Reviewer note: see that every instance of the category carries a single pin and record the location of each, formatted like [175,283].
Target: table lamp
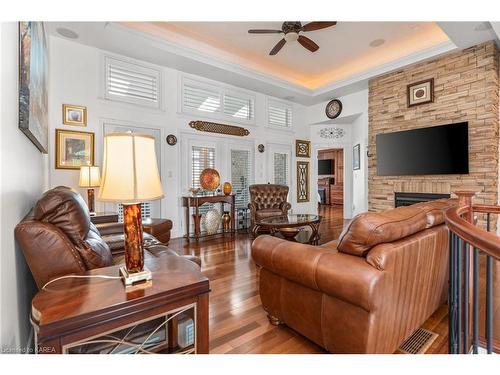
[90,178]
[130,176]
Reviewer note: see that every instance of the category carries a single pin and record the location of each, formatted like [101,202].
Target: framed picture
[356,164]
[302,149]
[33,81]
[420,92]
[302,181]
[74,115]
[74,149]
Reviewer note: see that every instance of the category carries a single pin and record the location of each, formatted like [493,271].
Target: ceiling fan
[292,30]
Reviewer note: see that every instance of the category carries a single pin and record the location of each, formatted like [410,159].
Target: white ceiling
[344,48]
[224,51]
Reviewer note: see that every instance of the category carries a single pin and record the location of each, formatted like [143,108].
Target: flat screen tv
[434,150]
[325,167]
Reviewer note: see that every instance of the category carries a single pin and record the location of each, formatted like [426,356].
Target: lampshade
[130,172]
[89,176]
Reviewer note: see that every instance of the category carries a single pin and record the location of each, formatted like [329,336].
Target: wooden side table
[159,228]
[194,202]
[96,315]
[104,217]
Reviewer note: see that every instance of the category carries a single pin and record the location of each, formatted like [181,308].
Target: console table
[95,315]
[194,202]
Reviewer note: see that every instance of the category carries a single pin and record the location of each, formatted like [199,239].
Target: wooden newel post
[465,199]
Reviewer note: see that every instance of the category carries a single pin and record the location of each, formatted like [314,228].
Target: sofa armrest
[110,228]
[343,276]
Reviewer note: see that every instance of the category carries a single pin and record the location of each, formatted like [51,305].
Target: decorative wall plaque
[213,127]
[420,92]
[302,181]
[171,140]
[261,148]
[302,149]
[332,133]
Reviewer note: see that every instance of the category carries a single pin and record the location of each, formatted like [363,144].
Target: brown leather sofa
[267,200]
[366,292]
[57,238]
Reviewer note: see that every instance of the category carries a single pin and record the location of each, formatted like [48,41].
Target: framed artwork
[74,115]
[302,149]
[33,81]
[420,92]
[74,149]
[356,164]
[302,181]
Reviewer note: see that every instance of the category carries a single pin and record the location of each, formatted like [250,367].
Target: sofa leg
[273,320]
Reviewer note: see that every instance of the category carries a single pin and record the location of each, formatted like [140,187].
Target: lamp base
[130,279]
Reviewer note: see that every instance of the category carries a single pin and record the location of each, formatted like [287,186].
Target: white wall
[76,78]
[354,121]
[23,171]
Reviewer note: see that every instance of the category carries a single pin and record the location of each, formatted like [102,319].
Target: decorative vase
[226,221]
[227,188]
[210,221]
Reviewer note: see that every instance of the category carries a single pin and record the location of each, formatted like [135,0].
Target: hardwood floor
[238,323]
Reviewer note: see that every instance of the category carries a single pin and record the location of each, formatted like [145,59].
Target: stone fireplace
[407,199]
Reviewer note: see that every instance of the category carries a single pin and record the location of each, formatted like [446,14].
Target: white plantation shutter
[281,168]
[238,107]
[201,158]
[217,102]
[132,83]
[240,176]
[200,99]
[279,114]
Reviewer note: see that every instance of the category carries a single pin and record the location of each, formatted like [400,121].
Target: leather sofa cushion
[372,228]
[116,241]
[435,210]
[66,209]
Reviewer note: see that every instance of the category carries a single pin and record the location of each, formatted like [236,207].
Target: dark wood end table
[104,217]
[97,315]
[289,226]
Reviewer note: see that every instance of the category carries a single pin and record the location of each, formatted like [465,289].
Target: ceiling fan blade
[308,43]
[264,31]
[277,47]
[312,26]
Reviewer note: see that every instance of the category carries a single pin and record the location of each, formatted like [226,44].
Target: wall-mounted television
[433,150]
[325,166]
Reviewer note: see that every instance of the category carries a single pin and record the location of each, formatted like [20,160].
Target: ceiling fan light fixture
[291,36]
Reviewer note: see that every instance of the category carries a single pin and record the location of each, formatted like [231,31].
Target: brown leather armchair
[366,292]
[267,200]
[57,238]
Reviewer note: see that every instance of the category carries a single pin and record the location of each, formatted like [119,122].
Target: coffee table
[290,225]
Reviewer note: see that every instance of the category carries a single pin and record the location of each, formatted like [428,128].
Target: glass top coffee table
[290,225]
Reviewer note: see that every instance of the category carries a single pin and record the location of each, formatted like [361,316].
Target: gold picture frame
[302,148]
[302,181]
[75,115]
[74,149]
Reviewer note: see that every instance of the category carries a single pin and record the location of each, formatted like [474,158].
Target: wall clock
[171,139]
[333,108]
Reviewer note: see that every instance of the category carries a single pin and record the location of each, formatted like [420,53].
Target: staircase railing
[468,244]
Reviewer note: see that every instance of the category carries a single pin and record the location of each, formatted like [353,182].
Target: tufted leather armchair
[267,200]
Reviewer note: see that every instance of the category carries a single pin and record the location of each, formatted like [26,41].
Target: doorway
[330,182]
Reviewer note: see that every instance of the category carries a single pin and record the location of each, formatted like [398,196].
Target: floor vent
[418,342]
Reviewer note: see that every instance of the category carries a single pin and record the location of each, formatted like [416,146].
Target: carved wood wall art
[213,127]
[302,181]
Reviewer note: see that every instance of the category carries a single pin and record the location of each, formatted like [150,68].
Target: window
[201,158]
[132,83]
[200,99]
[281,168]
[145,211]
[279,114]
[216,102]
[238,107]
[240,176]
